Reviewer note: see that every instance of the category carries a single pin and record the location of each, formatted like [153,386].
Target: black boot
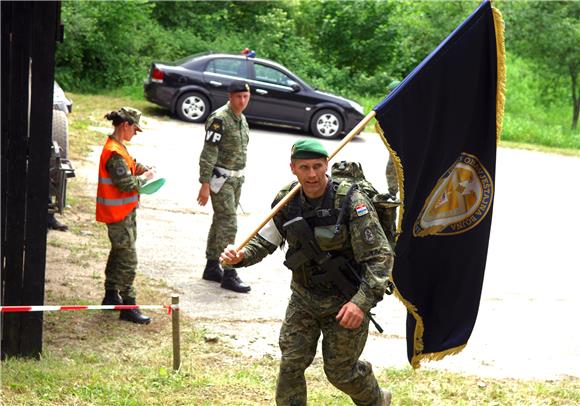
[54,224]
[213,271]
[133,315]
[112,298]
[232,281]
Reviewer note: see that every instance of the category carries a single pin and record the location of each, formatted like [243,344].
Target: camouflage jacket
[226,142]
[365,243]
[392,182]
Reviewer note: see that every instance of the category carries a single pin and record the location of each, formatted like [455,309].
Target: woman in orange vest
[120,178]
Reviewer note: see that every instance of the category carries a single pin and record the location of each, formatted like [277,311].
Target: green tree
[359,36]
[422,26]
[548,33]
[108,44]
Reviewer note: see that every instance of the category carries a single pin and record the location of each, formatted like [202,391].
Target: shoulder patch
[361,209]
[120,170]
[214,131]
[368,235]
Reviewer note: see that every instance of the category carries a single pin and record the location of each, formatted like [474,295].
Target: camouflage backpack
[350,175]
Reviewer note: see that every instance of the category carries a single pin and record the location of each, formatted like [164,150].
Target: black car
[195,86]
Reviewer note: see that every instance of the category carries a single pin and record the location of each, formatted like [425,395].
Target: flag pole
[353,133]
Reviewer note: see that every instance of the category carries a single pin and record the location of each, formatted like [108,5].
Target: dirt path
[525,327]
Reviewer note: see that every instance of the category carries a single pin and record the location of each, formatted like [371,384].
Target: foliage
[352,48]
[106,44]
[535,123]
[555,29]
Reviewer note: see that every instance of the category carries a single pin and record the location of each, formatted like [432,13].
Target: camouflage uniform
[312,309]
[226,144]
[392,181]
[122,261]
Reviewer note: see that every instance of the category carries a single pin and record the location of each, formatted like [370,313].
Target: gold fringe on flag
[501,75]
[400,175]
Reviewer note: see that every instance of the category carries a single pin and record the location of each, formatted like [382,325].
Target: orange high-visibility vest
[114,205]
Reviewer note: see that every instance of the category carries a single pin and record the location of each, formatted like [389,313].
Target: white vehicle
[60,167]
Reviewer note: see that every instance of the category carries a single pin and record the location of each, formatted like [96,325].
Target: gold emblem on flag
[459,201]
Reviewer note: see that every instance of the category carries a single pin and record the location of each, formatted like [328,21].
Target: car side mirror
[296,88]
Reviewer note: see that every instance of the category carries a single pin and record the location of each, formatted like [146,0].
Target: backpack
[350,175]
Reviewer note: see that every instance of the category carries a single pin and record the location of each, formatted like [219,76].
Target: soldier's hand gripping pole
[353,133]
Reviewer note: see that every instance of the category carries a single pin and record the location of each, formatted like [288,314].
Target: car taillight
[157,75]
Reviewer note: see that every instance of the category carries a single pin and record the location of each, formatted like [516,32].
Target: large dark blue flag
[442,124]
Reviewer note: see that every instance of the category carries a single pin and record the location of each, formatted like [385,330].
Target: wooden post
[29,31]
[175,328]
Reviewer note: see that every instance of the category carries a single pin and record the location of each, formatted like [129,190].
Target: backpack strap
[342,202]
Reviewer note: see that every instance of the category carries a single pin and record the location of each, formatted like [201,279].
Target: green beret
[238,86]
[308,149]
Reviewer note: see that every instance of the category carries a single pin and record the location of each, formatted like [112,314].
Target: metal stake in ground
[175,328]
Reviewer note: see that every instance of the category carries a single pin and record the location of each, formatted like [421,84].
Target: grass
[93,359]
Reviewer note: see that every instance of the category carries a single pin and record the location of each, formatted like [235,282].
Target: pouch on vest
[328,240]
[217,180]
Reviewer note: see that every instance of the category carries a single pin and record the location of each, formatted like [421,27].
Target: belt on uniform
[229,172]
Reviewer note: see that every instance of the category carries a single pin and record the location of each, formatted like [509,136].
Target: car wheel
[326,124]
[193,107]
[60,131]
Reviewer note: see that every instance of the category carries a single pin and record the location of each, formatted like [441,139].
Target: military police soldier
[221,174]
[355,244]
[120,178]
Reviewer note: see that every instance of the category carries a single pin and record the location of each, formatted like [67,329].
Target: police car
[194,86]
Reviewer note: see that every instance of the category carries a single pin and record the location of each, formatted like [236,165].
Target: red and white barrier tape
[14,309]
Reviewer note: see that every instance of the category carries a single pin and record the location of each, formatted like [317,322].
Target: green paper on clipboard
[151,187]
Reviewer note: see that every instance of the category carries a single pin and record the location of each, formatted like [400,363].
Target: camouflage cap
[133,116]
[238,86]
[308,149]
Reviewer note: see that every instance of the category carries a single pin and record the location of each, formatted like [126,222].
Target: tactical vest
[323,221]
[114,205]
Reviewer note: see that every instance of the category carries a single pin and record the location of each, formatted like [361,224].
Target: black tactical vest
[322,220]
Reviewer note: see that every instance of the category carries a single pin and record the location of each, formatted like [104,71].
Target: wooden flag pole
[353,133]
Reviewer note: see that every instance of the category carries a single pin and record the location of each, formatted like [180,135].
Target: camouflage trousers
[224,223]
[341,348]
[122,261]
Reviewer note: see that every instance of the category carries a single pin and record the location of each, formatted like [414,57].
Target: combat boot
[133,315]
[385,398]
[112,298]
[232,281]
[213,271]
[54,224]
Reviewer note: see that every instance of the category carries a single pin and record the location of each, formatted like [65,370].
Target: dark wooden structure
[29,34]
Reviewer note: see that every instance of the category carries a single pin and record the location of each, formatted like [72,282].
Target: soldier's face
[129,131]
[239,101]
[311,174]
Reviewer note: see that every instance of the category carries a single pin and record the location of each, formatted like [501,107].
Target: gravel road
[525,327]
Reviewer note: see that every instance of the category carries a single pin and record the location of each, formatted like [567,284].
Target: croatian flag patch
[361,209]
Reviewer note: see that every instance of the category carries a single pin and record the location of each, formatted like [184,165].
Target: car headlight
[357,107]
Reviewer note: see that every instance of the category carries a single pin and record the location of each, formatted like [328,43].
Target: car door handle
[261,91]
[214,83]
